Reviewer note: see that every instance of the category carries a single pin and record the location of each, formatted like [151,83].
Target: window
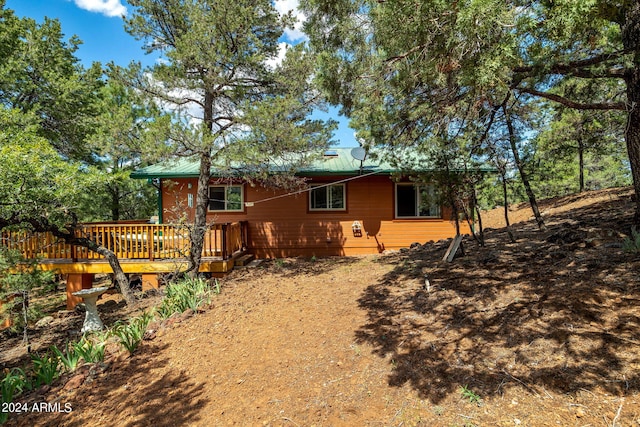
[225,198]
[327,198]
[417,201]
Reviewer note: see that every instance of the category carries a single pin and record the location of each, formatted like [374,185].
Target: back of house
[348,206]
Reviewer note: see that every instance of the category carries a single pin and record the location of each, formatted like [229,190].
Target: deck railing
[130,241]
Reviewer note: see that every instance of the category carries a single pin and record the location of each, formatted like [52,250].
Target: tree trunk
[200,221]
[115,203]
[121,278]
[202,196]
[581,162]
[631,41]
[632,137]
[523,174]
[455,213]
[506,206]
[480,227]
[479,235]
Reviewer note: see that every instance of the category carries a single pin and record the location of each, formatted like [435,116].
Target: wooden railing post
[150,242]
[223,228]
[245,234]
[74,249]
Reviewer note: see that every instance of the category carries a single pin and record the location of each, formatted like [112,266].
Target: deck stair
[244,260]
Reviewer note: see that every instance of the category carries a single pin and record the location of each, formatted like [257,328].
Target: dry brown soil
[545,331]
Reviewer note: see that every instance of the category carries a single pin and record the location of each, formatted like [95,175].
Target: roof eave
[169,175]
[162,175]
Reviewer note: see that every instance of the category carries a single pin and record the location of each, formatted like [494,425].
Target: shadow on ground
[169,400]
[557,311]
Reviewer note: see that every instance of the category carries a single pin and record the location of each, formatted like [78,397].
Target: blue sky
[99,25]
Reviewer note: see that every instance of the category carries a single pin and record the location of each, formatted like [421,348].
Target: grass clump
[12,384]
[131,334]
[69,358]
[91,351]
[186,294]
[46,368]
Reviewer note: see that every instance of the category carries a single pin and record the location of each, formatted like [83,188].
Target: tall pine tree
[217,80]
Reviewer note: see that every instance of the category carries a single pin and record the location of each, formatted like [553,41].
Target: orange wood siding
[285,227]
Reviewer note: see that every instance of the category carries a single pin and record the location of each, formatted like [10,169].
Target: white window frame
[417,193]
[326,188]
[226,200]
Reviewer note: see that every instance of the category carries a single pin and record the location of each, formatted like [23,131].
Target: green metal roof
[181,168]
[336,161]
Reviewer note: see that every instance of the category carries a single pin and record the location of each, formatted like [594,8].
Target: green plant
[164,310]
[131,334]
[469,394]
[279,262]
[91,351]
[127,337]
[216,286]
[632,244]
[185,294]
[13,383]
[69,358]
[45,368]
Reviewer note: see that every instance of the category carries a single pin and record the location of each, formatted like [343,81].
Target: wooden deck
[140,248]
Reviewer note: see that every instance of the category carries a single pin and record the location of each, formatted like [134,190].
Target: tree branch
[404,55]
[574,67]
[621,106]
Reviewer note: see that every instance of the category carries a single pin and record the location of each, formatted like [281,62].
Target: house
[350,207]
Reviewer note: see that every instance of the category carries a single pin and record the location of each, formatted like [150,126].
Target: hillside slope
[610,203]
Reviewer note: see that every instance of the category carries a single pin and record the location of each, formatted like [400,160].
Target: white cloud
[282,51]
[106,7]
[295,34]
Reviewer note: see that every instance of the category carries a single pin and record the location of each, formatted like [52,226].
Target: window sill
[418,219]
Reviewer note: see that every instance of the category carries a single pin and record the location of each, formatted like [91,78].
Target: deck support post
[75,283]
[149,281]
[4,324]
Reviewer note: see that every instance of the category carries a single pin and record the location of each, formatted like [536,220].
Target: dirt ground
[541,332]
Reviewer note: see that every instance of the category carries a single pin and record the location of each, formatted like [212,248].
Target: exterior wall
[285,227]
